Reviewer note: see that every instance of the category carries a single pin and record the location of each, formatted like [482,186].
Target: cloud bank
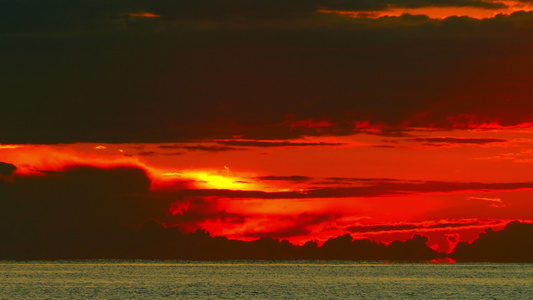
[512,244]
[88,72]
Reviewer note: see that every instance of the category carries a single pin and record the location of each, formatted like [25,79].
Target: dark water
[107,279]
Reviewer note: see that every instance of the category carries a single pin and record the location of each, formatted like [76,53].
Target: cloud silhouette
[62,213]
[161,82]
[450,140]
[268,144]
[511,244]
[36,15]
[285,178]
[212,148]
[374,189]
[7,169]
[77,195]
[406,227]
[415,249]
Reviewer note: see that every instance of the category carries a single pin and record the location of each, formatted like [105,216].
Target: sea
[117,279]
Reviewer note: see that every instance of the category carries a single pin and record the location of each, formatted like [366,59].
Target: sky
[297,120]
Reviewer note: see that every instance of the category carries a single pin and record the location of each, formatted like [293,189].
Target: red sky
[296,121]
[436,183]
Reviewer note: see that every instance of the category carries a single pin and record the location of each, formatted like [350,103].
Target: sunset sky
[297,119]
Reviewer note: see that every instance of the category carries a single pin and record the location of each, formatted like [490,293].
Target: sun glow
[10,146]
[214,179]
[211,180]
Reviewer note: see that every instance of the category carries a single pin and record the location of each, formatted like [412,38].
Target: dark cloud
[411,250]
[405,227]
[275,144]
[285,178]
[53,15]
[370,190]
[378,5]
[350,181]
[394,131]
[511,244]
[163,80]
[344,247]
[450,140]
[173,153]
[379,189]
[211,148]
[355,179]
[170,146]
[147,153]
[201,148]
[7,169]
[78,196]
[297,8]
[445,3]
[89,212]
[73,211]
[153,153]
[258,9]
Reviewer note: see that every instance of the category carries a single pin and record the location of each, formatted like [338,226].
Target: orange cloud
[9,146]
[492,9]
[144,15]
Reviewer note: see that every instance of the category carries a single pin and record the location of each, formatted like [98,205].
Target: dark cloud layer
[88,72]
[406,227]
[78,196]
[374,189]
[275,144]
[512,244]
[450,140]
[43,15]
[7,169]
[285,178]
[211,148]
[444,3]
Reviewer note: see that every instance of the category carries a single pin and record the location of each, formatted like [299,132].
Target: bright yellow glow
[211,180]
[171,174]
[9,146]
[100,147]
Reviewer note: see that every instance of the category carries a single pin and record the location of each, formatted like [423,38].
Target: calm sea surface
[107,279]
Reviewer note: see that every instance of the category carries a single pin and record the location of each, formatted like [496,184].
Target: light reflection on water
[108,279]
